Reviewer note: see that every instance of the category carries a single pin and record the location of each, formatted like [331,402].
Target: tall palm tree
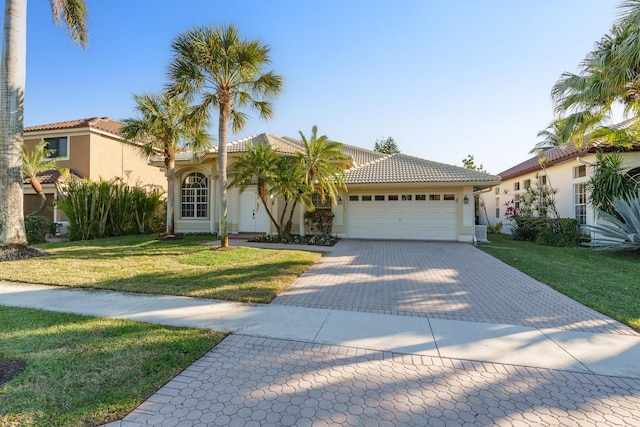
[321,173]
[225,73]
[164,125]
[609,75]
[73,14]
[554,135]
[34,162]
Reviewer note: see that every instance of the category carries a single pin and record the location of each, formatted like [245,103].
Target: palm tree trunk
[37,187]
[225,100]
[170,164]
[12,82]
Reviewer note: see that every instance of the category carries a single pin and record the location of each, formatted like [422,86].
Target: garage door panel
[397,219]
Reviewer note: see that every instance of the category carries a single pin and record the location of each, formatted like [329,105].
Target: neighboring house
[566,170]
[91,148]
[388,197]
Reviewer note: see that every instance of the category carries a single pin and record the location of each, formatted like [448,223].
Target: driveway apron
[398,333]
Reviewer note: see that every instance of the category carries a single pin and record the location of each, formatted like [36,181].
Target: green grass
[177,267]
[85,370]
[608,282]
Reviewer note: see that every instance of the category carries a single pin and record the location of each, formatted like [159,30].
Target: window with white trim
[195,196]
[316,199]
[59,147]
[579,171]
[497,207]
[580,202]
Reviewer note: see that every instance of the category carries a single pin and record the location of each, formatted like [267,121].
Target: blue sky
[443,78]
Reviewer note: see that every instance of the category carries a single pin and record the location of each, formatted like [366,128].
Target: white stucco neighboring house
[566,169]
[388,196]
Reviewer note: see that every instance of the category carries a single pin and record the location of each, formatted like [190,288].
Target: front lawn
[608,282]
[177,267]
[85,370]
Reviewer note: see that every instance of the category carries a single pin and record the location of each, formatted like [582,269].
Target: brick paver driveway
[437,280]
[248,380]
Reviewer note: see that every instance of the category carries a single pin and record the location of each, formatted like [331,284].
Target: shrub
[37,228]
[320,220]
[527,228]
[560,232]
[494,229]
[99,209]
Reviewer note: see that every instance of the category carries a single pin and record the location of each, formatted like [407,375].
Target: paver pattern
[443,280]
[250,381]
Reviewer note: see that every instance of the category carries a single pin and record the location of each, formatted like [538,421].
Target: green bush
[560,232]
[320,220]
[527,228]
[494,229]
[108,208]
[37,228]
[548,231]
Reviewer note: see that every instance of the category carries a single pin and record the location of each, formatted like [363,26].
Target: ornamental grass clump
[107,208]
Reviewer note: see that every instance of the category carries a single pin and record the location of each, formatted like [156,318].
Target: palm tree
[34,162]
[608,76]
[321,173]
[73,13]
[554,135]
[165,124]
[225,73]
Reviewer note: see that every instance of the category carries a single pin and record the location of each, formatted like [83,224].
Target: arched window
[195,196]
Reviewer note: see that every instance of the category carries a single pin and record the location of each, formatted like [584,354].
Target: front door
[253,216]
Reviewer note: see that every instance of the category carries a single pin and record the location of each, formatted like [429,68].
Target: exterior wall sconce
[466,199]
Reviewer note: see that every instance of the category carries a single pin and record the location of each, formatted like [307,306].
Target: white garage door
[428,216]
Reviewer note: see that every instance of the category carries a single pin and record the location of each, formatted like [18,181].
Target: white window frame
[195,197]
[580,202]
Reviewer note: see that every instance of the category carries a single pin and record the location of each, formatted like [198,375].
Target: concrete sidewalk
[582,352]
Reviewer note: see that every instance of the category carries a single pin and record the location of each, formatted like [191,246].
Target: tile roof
[557,155]
[50,177]
[369,167]
[400,168]
[281,145]
[104,124]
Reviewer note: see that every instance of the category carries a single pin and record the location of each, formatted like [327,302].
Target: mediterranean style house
[388,196]
[90,148]
[564,169]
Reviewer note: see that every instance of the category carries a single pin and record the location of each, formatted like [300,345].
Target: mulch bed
[10,368]
[15,252]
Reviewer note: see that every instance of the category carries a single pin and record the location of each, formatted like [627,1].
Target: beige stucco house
[91,148]
[566,170]
[388,196]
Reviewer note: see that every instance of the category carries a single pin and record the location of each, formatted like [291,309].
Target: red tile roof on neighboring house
[104,124]
[557,155]
[50,177]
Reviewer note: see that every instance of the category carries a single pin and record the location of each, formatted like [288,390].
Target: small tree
[34,162]
[469,162]
[387,146]
[275,176]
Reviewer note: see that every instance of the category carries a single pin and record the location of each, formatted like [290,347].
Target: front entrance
[253,216]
